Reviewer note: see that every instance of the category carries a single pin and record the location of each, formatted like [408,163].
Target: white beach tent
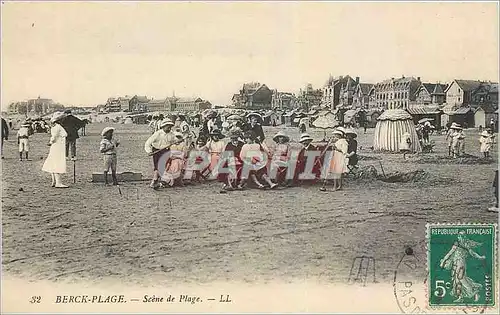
[391,126]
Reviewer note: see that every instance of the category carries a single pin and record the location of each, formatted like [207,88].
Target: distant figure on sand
[486,141]
[55,164]
[338,162]
[5,133]
[71,124]
[157,144]
[108,148]
[23,135]
[405,144]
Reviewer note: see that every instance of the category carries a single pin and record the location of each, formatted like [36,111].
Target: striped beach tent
[391,126]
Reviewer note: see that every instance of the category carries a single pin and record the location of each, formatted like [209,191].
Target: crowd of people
[245,160]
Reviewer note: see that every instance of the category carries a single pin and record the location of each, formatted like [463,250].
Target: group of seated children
[245,161]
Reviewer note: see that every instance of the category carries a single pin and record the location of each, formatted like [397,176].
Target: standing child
[352,149]
[23,135]
[405,144]
[486,142]
[338,162]
[108,148]
[449,138]
[455,144]
[461,142]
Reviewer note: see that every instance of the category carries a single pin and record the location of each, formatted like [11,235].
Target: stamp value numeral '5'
[461,262]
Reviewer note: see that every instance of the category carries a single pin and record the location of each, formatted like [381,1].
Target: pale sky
[83,53]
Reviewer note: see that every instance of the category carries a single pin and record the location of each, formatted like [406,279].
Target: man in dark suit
[255,126]
[5,133]
[71,124]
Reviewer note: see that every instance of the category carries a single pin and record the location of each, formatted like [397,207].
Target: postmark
[461,265]
[410,281]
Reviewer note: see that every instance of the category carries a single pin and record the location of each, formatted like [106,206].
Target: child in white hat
[108,148]
[458,140]
[23,135]
[486,142]
[449,137]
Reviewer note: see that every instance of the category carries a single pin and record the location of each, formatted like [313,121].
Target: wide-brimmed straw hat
[352,132]
[305,137]
[456,126]
[57,116]
[485,134]
[106,130]
[339,131]
[166,122]
[257,115]
[281,134]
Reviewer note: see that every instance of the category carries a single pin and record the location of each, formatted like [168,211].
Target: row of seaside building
[471,103]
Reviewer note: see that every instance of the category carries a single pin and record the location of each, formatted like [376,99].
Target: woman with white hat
[486,142]
[338,163]
[55,164]
[158,144]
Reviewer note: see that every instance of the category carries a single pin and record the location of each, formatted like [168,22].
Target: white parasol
[325,122]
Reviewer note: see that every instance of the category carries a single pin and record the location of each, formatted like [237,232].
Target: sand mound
[370,173]
[466,159]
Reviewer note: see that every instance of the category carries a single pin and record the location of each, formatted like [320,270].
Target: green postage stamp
[461,263]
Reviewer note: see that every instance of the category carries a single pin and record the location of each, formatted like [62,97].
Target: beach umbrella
[423,120]
[325,122]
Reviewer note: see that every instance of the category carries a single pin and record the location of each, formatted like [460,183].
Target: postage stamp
[461,265]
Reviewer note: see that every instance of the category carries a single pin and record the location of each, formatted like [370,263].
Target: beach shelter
[391,125]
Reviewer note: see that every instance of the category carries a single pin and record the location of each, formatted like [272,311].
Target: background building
[361,96]
[309,97]
[396,93]
[35,106]
[431,93]
[283,100]
[253,96]
[138,103]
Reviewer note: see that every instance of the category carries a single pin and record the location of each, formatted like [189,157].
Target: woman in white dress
[55,164]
